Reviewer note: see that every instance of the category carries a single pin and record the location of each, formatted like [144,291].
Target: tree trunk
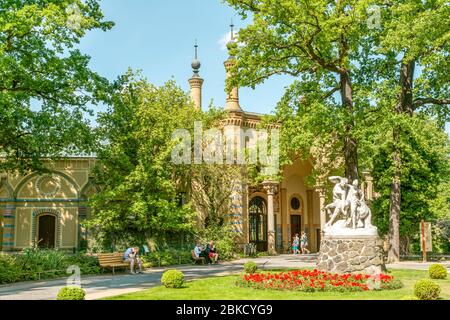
[350,143]
[395,203]
[404,105]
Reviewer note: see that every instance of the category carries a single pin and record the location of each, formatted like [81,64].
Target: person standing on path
[295,244]
[304,243]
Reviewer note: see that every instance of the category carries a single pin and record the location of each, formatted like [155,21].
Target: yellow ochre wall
[62,193]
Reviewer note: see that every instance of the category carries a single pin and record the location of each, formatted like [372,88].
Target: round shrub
[250,267]
[172,279]
[437,271]
[71,293]
[426,289]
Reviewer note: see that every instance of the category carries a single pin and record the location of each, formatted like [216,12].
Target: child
[295,244]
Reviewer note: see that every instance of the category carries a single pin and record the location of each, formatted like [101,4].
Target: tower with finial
[196,82]
[232,102]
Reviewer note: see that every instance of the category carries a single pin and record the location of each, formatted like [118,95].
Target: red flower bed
[315,280]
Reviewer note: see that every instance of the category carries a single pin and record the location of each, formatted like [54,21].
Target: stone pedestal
[351,254]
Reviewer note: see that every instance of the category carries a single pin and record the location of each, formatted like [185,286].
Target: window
[295,203]
[258,223]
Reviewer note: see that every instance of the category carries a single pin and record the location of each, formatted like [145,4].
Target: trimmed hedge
[172,279]
[250,267]
[426,289]
[437,271]
[71,293]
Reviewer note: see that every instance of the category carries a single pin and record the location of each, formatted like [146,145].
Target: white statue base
[339,229]
[343,253]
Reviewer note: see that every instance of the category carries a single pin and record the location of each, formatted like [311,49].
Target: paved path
[107,285]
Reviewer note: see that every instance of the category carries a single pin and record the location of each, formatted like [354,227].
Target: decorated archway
[46,228]
[257,210]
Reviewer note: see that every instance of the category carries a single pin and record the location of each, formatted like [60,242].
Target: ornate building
[46,210]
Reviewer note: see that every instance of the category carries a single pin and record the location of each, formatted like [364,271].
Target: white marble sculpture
[348,203]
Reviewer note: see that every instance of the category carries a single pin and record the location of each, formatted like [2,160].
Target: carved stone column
[368,185]
[271,188]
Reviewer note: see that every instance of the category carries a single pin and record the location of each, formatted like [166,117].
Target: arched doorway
[46,231]
[257,210]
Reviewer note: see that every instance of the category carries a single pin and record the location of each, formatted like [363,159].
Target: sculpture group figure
[348,201]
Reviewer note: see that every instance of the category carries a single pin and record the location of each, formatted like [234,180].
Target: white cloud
[224,40]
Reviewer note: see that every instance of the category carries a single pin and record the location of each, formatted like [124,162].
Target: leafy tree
[212,188]
[391,78]
[139,181]
[414,44]
[424,171]
[45,83]
[138,196]
[316,42]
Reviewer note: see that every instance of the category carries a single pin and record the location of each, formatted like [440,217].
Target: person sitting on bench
[198,250]
[211,252]
[199,253]
[131,255]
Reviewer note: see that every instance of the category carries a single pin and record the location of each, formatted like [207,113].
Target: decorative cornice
[196,82]
[271,187]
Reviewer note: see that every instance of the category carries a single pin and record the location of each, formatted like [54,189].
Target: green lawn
[224,288]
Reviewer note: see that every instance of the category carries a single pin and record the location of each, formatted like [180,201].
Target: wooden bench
[112,260]
[197,259]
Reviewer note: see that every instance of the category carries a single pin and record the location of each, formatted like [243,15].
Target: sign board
[425,231]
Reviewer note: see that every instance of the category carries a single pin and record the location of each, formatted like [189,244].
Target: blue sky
[157,37]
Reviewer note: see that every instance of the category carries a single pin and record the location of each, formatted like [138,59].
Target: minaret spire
[196,82]
[232,102]
[196,47]
[232,31]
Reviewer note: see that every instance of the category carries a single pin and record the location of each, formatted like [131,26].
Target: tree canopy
[46,86]
[370,91]
[144,193]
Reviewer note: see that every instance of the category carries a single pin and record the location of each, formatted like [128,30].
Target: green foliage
[71,293]
[45,83]
[250,267]
[223,237]
[214,186]
[9,269]
[139,183]
[441,225]
[88,264]
[437,271]
[425,172]
[172,279]
[321,43]
[394,284]
[427,290]
[322,46]
[167,257]
[49,263]
[410,107]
